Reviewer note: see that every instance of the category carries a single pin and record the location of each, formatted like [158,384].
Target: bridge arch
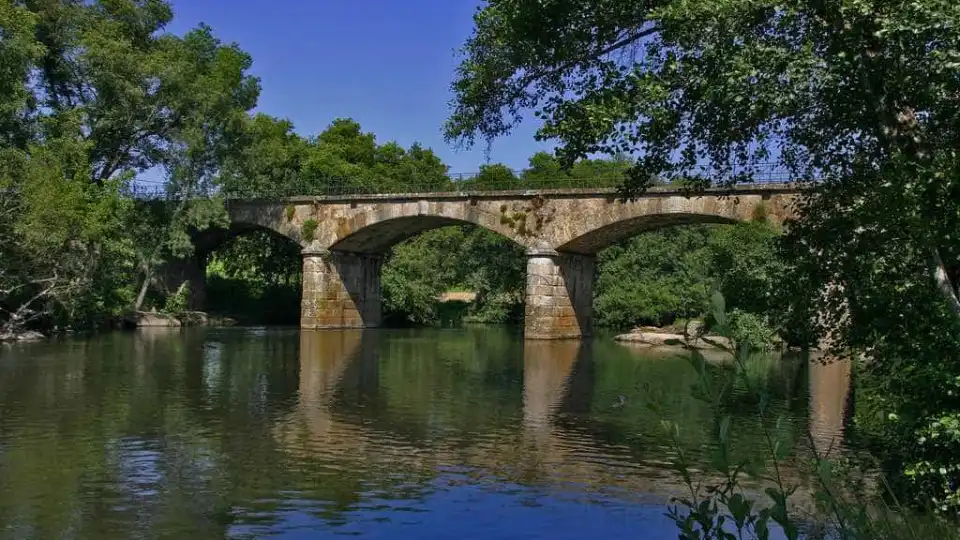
[595,240]
[342,265]
[277,218]
[210,240]
[601,224]
[281,259]
[375,231]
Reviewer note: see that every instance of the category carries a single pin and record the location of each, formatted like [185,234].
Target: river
[277,433]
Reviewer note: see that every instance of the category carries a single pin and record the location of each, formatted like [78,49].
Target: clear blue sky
[387,64]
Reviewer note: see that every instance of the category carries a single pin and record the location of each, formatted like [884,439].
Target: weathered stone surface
[654,338]
[558,311]
[25,335]
[340,290]
[568,220]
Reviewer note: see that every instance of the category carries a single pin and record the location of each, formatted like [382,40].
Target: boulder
[151,319]
[669,339]
[193,318]
[651,338]
[220,320]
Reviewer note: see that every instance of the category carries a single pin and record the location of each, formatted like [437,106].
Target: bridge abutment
[340,290]
[559,295]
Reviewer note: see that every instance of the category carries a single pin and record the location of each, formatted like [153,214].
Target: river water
[277,433]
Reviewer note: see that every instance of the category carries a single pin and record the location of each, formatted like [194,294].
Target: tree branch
[526,81]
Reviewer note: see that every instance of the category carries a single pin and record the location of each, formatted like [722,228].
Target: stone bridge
[344,239]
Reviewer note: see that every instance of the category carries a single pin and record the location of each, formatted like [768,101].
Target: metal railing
[453,184]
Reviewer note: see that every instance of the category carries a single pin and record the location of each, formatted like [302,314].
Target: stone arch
[612,221]
[591,242]
[210,240]
[375,230]
[342,264]
[193,268]
[251,215]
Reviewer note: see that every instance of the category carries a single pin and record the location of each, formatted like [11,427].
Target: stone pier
[340,290]
[559,295]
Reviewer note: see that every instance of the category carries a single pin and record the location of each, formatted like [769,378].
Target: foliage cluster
[91,95]
[272,161]
[661,276]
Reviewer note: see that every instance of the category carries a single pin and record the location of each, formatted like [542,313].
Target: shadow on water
[402,434]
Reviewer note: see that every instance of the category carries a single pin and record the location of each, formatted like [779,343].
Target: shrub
[178,301]
[309,229]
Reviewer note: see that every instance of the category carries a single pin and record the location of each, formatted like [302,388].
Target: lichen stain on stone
[527,219]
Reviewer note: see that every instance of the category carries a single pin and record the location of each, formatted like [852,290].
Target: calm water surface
[273,433]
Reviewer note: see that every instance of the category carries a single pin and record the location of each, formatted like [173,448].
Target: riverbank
[11,336]
[153,319]
[136,319]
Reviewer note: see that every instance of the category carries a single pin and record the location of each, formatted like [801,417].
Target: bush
[178,301]
[751,330]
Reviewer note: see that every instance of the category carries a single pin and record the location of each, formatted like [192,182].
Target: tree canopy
[95,93]
[272,160]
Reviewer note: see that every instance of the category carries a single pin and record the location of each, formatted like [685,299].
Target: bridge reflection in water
[555,442]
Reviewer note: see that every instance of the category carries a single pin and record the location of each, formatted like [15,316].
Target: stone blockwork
[559,295]
[562,230]
[340,290]
[581,221]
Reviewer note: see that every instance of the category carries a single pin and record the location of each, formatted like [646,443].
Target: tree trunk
[944,283]
[147,277]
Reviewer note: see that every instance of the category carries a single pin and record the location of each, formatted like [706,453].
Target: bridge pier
[559,295]
[340,290]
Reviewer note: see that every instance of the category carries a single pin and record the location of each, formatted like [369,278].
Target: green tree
[268,161]
[417,271]
[654,278]
[545,170]
[492,176]
[19,51]
[94,94]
